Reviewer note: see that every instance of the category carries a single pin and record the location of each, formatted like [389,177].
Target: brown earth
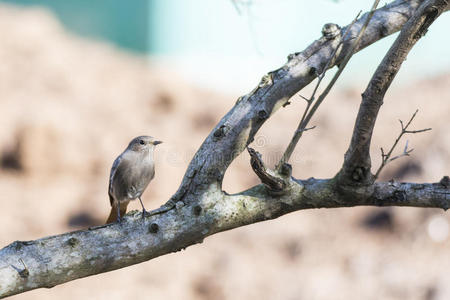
[69,106]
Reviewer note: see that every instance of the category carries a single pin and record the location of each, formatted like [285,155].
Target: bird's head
[143,143]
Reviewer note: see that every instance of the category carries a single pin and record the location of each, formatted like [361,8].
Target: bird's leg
[144,212]
[119,218]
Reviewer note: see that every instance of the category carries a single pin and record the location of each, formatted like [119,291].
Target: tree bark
[57,259]
[357,164]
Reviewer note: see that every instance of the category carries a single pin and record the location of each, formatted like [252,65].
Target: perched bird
[130,174]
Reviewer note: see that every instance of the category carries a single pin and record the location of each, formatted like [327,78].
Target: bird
[130,175]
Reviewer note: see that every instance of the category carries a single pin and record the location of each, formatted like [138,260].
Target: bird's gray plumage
[132,171]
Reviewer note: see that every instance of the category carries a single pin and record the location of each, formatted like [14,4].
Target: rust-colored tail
[113,214]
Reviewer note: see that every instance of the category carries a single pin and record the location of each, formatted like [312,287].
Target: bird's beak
[157,142]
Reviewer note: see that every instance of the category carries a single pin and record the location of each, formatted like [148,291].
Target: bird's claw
[145,213]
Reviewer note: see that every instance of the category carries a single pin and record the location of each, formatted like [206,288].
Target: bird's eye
[141,142]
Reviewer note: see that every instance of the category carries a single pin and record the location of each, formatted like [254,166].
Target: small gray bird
[130,174]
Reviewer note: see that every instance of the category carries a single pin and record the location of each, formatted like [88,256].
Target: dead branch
[275,89]
[386,157]
[357,163]
[274,183]
[307,115]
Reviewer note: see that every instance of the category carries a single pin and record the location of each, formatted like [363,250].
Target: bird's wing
[111,177]
[122,180]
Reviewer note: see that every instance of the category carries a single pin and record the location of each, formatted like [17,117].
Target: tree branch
[307,115]
[200,208]
[386,157]
[238,127]
[357,163]
[272,181]
[57,259]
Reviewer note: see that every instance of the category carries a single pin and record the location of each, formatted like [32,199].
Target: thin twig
[306,129]
[236,6]
[24,273]
[333,56]
[386,158]
[307,115]
[237,3]
[321,76]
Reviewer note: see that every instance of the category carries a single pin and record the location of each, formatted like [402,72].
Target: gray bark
[200,208]
[357,164]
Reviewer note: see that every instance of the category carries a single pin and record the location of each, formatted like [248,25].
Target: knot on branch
[262,114]
[153,228]
[266,80]
[72,242]
[313,72]
[355,176]
[220,132]
[445,182]
[360,174]
[399,196]
[197,210]
[431,13]
[275,184]
[286,170]
[384,31]
[331,30]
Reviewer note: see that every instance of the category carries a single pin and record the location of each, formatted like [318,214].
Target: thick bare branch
[357,163]
[57,259]
[238,127]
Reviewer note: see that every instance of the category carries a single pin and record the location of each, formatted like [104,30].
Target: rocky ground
[69,106]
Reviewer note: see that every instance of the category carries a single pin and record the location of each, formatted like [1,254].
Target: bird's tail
[113,214]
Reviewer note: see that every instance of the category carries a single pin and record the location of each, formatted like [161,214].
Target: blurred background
[79,79]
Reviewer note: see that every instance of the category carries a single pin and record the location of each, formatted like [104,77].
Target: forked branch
[357,162]
[386,157]
[308,114]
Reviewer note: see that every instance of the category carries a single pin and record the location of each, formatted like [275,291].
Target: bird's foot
[145,213]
